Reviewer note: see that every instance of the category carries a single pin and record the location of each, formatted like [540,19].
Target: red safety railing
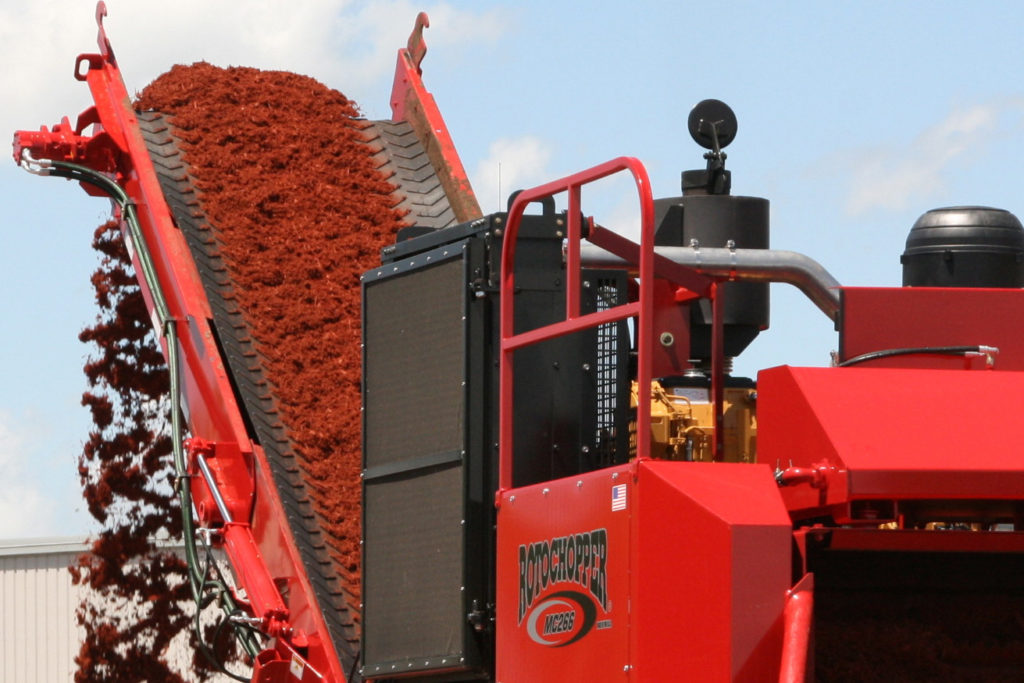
[642,259]
[642,309]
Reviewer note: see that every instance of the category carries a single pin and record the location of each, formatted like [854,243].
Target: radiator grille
[414,401]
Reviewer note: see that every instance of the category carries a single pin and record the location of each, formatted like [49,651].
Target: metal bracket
[416,46]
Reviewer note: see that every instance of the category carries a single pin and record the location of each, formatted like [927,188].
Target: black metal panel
[563,397]
[414,362]
[431,428]
[417,584]
[414,607]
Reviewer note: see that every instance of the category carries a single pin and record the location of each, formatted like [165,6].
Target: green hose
[198,582]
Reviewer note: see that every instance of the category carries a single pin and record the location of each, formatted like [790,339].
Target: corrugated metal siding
[38,634]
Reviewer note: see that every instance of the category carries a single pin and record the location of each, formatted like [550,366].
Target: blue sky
[854,118]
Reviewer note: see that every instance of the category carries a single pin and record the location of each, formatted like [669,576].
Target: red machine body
[858,455]
[643,572]
[648,569]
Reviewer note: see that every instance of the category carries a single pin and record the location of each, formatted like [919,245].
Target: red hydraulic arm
[231,481]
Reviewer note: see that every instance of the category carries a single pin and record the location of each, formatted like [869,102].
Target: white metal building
[39,636]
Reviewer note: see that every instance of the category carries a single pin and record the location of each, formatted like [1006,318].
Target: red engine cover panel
[683,575]
[875,319]
[893,433]
[563,579]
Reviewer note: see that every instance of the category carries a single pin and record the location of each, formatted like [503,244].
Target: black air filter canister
[720,221]
[965,246]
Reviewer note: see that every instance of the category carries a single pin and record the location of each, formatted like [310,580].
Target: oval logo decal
[561,618]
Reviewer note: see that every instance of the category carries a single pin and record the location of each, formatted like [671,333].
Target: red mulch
[300,212]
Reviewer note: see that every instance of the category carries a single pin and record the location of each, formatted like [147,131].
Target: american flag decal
[619,497]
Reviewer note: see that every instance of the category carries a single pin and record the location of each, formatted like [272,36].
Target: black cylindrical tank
[964,246]
[718,221]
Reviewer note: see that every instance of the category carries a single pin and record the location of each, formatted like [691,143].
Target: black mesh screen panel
[414,468]
[414,608]
[414,364]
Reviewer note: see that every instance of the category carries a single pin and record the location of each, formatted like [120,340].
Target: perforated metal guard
[414,490]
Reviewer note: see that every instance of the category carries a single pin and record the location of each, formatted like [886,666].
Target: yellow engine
[682,423]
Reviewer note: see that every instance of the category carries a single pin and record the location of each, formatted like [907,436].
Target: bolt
[667,339]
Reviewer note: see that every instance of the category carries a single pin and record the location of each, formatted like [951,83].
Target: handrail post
[643,309]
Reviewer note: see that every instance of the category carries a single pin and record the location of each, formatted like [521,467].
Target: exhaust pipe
[747,265]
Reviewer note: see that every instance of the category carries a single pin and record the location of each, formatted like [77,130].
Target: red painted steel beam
[797,618]
[240,470]
[410,101]
[688,278]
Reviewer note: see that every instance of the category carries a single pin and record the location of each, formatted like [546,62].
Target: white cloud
[24,509]
[623,218]
[896,176]
[511,164]
[348,45]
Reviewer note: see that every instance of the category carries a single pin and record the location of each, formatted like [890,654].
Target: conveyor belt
[400,158]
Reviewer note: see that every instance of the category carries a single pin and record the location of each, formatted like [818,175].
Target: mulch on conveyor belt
[300,212]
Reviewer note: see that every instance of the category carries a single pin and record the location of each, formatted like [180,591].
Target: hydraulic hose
[967,351]
[198,582]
